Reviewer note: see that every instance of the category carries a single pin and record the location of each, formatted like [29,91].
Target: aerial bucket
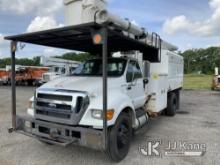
[82,11]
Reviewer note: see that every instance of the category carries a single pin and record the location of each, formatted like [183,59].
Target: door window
[130,73]
[137,71]
[133,72]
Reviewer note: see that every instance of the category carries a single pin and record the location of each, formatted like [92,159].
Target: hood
[86,84]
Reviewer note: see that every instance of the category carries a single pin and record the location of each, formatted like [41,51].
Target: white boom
[106,17]
[45,61]
[85,11]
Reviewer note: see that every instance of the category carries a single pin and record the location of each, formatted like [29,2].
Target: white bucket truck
[108,97]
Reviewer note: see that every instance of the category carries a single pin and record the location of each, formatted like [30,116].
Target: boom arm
[45,61]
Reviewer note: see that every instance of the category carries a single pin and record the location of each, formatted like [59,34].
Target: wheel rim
[123,136]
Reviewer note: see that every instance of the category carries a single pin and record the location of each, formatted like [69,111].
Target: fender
[120,101]
[117,100]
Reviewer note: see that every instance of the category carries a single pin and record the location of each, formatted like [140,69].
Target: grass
[195,81]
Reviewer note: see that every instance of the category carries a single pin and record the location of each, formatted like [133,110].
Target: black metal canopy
[79,38]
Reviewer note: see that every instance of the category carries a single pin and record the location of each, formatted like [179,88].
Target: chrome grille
[55,97]
[56,106]
[61,107]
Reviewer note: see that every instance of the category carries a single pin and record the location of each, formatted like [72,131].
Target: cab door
[135,84]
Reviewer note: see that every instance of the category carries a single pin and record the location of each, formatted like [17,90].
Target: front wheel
[119,138]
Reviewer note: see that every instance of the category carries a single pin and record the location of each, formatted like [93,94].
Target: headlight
[30,110]
[28,124]
[31,105]
[98,114]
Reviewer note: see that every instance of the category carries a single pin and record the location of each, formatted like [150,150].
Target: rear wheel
[119,138]
[172,104]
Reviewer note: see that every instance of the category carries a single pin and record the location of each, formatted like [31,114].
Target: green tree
[201,60]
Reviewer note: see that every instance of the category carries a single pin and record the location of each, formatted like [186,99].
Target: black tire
[172,104]
[30,83]
[119,138]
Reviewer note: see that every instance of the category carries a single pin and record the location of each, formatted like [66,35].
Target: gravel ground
[198,121]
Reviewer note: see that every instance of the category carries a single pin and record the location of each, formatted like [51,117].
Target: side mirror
[146,81]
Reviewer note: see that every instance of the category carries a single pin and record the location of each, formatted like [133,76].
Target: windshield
[116,68]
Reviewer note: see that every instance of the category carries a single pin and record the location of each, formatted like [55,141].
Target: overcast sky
[185,23]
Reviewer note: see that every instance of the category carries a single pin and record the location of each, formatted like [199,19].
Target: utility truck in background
[58,68]
[26,75]
[3,76]
[216,80]
[133,76]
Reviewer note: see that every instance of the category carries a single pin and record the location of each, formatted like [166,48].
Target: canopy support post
[13,85]
[105,85]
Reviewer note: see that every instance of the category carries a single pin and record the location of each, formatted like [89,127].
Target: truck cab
[126,90]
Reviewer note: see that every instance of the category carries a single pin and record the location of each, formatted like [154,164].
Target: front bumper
[60,134]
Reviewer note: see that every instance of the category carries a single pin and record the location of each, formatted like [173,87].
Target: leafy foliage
[22,61]
[75,57]
[201,60]
[36,60]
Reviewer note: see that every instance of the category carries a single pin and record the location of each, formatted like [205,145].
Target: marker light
[110,114]
[97,39]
